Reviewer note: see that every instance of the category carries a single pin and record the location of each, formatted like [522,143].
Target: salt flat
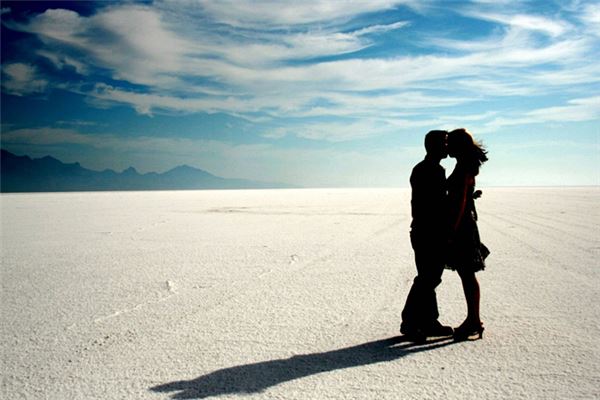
[289,294]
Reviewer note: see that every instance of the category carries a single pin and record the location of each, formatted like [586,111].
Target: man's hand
[477,194]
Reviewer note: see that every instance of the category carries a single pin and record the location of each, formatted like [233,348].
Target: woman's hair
[469,152]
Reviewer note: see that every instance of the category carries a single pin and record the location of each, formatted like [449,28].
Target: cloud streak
[271,14]
[526,22]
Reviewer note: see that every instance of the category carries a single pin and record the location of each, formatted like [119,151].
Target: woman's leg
[472,296]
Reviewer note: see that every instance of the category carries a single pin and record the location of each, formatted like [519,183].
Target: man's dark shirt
[428,203]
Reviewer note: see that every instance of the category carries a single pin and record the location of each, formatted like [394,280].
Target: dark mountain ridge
[47,174]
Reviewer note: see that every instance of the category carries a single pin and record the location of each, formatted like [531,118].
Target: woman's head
[466,150]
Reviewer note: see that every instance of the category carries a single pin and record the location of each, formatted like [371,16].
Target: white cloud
[396,73]
[276,133]
[403,103]
[76,122]
[579,74]
[584,109]
[270,51]
[524,21]
[59,24]
[21,79]
[518,50]
[381,28]
[576,110]
[591,18]
[145,103]
[490,87]
[273,14]
[340,131]
[384,107]
[61,61]
[462,118]
[141,45]
[344,86]
[131,41]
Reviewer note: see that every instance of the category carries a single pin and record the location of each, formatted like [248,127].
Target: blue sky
[313,93]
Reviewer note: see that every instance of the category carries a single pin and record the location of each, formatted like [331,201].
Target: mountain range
[47,174]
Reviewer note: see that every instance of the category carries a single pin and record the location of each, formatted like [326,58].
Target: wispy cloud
[48,136]
[130,41]
[566,77]
[271,14]
[62,61]
[498,87]
[22,79]
[585,109]
[590,16]
[527,22]
[381,28]
[576,110]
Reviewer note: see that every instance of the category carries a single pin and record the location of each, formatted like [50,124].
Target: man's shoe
[437,330]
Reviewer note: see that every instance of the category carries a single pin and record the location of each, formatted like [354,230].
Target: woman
[466,253]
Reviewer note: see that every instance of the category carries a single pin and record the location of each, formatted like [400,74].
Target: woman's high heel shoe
[468,330]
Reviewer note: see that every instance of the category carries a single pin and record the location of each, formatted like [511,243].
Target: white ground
[288,294]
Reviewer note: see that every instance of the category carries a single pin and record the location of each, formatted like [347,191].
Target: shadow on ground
[255,378]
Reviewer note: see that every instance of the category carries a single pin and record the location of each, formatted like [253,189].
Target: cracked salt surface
[288,294]
[169,286]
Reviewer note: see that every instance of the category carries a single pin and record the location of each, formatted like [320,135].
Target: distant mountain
[47,174]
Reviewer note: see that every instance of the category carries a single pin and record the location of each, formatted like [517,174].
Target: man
[428,237]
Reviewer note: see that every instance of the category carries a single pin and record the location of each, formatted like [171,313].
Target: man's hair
[433,140]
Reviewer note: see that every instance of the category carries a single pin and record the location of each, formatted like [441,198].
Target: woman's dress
[465,252]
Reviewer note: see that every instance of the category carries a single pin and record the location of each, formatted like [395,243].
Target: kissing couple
[444,234]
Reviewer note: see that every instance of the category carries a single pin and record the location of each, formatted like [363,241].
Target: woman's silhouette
[466,253]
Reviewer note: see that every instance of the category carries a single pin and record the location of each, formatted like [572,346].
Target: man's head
[436,144]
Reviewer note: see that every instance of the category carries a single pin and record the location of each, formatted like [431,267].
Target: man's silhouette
[428,237]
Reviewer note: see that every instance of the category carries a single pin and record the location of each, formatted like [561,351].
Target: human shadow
[257,377]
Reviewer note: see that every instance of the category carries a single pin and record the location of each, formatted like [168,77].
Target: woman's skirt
[466,252]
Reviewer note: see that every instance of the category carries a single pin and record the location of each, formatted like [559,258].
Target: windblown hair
[468,152]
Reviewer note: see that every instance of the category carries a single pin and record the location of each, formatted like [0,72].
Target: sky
[316,93]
